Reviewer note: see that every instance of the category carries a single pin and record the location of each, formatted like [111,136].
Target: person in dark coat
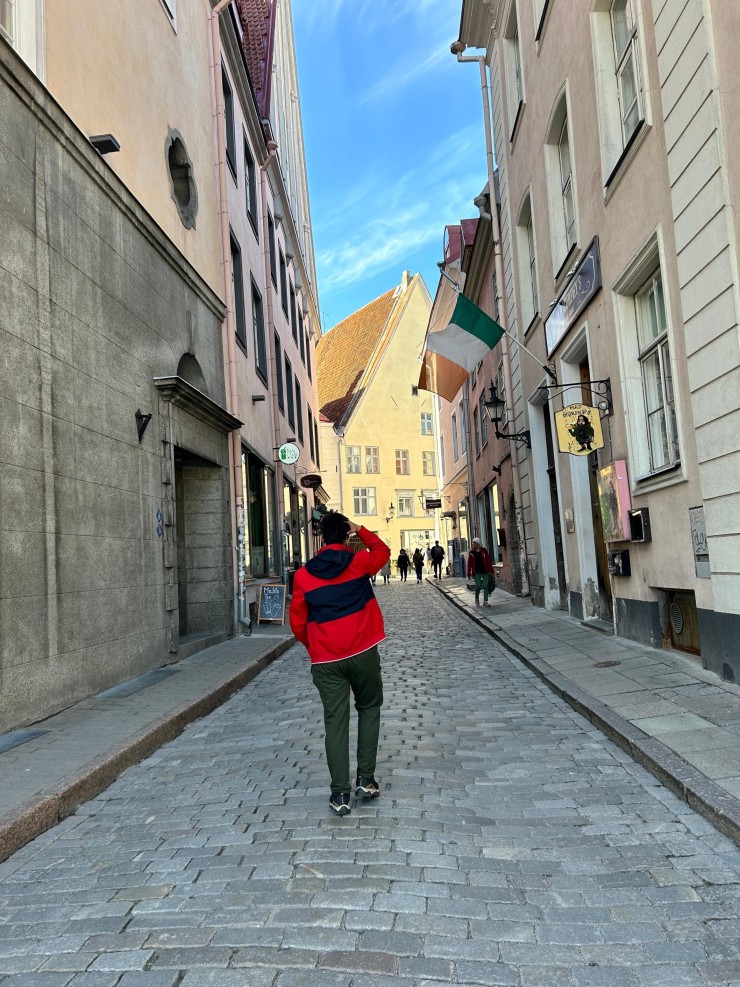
[403,564]
[418,560]
[480,567]
[438,554]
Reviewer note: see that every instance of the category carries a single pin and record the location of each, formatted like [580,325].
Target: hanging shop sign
[311,480]
[289,453]
[432,503]
[579,291]
[579,429]
[614,501]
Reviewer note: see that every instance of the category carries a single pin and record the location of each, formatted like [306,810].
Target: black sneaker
[339,803]
[366,788]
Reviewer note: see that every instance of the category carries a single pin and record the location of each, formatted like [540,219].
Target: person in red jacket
[334,613]
[480,567]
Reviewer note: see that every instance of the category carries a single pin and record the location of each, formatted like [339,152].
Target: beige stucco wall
[124,70]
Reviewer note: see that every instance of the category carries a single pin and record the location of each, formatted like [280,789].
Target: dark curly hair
[334,528]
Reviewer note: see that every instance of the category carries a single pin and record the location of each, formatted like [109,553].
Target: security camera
[458,47]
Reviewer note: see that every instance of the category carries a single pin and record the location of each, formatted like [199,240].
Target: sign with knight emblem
[579,429]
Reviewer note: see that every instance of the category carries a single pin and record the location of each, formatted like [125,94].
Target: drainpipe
[457,49]
[229,327]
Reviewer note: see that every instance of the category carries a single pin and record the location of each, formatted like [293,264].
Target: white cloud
[406,72]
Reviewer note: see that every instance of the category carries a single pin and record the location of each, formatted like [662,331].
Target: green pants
[481,579]
[334,680]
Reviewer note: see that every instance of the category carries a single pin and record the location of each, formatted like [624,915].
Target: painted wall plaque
[614,500]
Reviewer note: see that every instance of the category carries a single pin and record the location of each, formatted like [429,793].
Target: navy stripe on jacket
[339,599]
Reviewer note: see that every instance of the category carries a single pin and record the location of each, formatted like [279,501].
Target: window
[426,423]
[405,503]
[428,464]
[501,391]
[293,322]
[618,77]
[283,284]
[182,180]
[657,379]
[527,265]
[414,390]
[560,193]
[352,454]
[299,411]
[237,283]
[289,391]
[455,440]
[364,500]
[279,372]
[310,435]
[540,11]
[229,121]
[462,419]
[316,442]
[372,459]
[169,6]
[402,462]
[476,431]
[250,187]
[513,70]
[271,242]
[258,327]
[308,357]
[483,419]
[302,339]
[7,20]
[442,453]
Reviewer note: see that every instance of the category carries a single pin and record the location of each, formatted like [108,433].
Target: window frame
[293,318]
[237,287]
[299,410]
[258,331]
[279,372]
[405,497]
[9,34]
[403,459]
[527,264]
[657,348]
[250,187]
[271,245]
[514,74]
[229,122]
[368,495]
[352,459]
[311,446]
[425,460]
[283,282]
[289,394]
[372,459]
[427,423]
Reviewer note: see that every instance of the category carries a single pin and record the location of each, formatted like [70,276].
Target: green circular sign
[289,453]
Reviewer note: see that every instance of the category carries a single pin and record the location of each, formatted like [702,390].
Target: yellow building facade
[379,434]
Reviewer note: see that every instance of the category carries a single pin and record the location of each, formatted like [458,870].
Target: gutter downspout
[503,316]
[229,328]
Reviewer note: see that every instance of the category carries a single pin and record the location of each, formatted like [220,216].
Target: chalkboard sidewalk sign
[271,604]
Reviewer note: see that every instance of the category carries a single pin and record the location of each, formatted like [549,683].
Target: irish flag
[452,353]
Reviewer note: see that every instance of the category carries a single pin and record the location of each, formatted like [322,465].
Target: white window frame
[27,28]
[455,439]
[656,351]
[405,502]
[618,143]
[428,457]
[501,392]
[372,459]
[527,263]
[476,430]
[352,459]
[560,188]
[626,293]
[364,502]
[483,418]
[427,423]
[513,69]
[8,16]
[403,462]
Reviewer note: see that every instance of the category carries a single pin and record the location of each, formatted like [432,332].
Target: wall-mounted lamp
[141,423]
[391,514]
[104,143]
[495,408]
[497,469]
[257,397]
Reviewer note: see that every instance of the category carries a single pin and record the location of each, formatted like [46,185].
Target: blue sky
[395,149]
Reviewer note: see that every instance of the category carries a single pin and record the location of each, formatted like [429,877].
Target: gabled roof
[344,353]
[258,35]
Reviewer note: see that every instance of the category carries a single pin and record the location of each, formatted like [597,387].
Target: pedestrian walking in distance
[428,560]
[418,560]
[438,554]
[334,613]
[385,572]
[480,566]
[403,564]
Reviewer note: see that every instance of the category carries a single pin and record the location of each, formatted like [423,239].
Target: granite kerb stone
[43,811]
[685,781]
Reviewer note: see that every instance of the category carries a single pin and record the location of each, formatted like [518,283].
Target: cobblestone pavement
[512,845]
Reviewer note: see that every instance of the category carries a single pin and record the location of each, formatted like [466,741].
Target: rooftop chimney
[405,280]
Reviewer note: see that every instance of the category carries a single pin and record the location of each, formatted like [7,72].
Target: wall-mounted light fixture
[141,423]
[391,513]
[495,408]
[257,397]
[105,143]
[496,469]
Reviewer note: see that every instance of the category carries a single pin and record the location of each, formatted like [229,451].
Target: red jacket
[487,564]
[333,610]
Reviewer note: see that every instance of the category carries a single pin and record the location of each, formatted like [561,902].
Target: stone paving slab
[657,719]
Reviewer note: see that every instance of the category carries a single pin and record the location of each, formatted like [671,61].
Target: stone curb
[682,778]
[44,811]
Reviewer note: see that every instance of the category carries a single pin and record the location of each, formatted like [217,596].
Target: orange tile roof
[344,353]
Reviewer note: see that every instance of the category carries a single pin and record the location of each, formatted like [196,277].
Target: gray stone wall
[94,302]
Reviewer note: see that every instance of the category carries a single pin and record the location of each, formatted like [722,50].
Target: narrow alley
[512,844]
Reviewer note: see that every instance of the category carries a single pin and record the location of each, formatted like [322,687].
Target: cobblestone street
[512,845]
